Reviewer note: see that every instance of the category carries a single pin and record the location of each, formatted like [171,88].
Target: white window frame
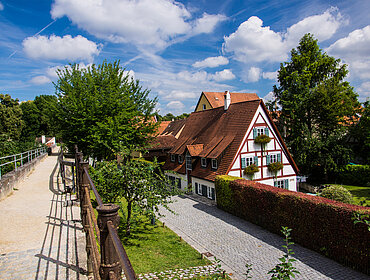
[214,163]
[203,162]
[280,184]
[199,190]
[173,157]
[260,131]
[209,192]
[180,159]
[249,161]
[188,162]
[273,158]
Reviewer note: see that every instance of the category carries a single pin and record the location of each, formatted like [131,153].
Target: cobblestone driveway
[237,242]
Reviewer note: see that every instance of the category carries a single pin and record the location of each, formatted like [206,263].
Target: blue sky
[177,49]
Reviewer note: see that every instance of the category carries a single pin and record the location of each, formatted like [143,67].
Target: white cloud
[207,23]
[196,77]
[322,26]
[270,75]
[223,75]
[211,62]
[140,22]
[1,6]
[60,48]
[253,42]
[51,72]
[269,97]
[354,50]
[254,74]
[175,105]
[130,73]
[181,95]
[364,90]
[40,80]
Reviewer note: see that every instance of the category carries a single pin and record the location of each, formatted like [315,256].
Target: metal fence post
[21,159]
[15,162]
[109,261]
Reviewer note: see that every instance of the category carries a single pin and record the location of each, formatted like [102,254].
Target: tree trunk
[128,225]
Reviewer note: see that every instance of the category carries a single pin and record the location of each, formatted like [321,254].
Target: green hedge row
[358,175]
[317,223]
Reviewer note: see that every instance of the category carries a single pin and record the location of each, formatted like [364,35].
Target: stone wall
[10,180]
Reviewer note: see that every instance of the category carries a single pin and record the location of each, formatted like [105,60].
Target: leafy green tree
[101,109]
[142,185]
[10,118]
[46,104]
[361,134]
[317,107]
[31,118]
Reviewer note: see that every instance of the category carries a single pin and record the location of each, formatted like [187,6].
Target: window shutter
[267,131]
[279,157]
[254,133]
[243,162]
[286,184]
[256,160]
[267,159]
[275,184]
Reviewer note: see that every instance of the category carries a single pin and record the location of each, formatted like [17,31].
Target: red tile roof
[217,99]
[162,126]
[194,150]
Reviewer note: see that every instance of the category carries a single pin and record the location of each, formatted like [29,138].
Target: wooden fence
[106,256]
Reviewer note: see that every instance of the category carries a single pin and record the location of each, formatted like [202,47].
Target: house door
[204,190]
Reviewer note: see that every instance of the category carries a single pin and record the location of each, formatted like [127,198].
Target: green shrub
[318,223]
[337,193]
[358,175]
[223,192]
[262,139]
[251,169]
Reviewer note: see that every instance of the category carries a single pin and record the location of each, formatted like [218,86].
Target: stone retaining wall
[10,180]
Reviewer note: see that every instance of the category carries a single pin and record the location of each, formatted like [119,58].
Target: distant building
[211,100]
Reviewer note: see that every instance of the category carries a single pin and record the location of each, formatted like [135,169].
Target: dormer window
[203,162]
[180,159]
[173,158]
[188,161]
[214,163]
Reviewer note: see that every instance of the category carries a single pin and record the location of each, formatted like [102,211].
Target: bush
[223,192]
[337,193]
[317,223]
[358,175]
[262,139]
[251,169]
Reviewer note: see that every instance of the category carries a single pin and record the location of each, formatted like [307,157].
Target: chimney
[227,100]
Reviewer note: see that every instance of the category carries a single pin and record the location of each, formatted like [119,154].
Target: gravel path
[40,232]
[237,242]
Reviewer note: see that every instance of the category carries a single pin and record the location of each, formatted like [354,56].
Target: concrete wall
[10,180]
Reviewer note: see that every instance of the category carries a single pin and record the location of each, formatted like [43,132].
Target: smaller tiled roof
[163,142]
[225,142]
[174,128]
[217,99]
[162,126]
[195,150]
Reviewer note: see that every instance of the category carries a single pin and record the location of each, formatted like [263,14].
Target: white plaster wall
[202,182]
[184,180]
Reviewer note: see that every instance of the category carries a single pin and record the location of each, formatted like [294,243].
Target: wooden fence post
[109,259]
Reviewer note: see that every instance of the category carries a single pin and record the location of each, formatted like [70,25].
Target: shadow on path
[63,246]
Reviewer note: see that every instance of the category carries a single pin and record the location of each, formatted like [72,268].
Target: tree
[317,107]
[31,118]
[142,185]
[102,110]
[361,134]
[10,118]
[46,104]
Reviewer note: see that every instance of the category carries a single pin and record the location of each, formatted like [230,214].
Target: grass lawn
[154,248]
[359,193]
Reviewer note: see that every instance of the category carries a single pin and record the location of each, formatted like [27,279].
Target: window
[188,162]
[178,182]
[283,184]
[273,158]
[198,189]
[249,160]
[203,162]
[214,163]
[257,131]
[180,159]
[173,158]
[204,106]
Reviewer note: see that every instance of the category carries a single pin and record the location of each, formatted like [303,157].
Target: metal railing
[101,231]
[19,159]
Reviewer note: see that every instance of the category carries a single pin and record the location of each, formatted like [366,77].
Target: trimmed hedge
[223,192]
[355,175]
[317,223]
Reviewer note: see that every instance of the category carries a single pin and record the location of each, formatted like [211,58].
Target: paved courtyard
[237,242]
[40,230]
